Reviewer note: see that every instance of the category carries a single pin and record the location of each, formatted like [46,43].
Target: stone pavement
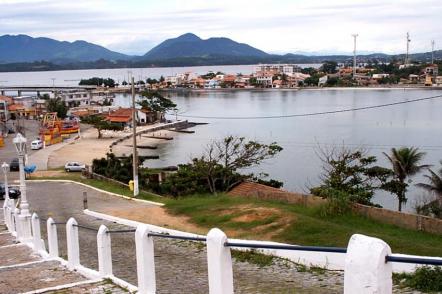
[23,271]
[181,266]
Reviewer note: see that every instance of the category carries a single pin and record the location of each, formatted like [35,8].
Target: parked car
[14,165]
[74,167]
[13,192]
[36,144]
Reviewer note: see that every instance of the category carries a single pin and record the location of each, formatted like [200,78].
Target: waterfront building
[288,69]
[264,78]
[5,101]
[75,98]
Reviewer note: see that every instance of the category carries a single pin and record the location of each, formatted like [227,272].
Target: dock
[144,147]
[159,137]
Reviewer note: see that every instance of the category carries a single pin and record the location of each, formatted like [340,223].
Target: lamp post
[25,217]
[5,168]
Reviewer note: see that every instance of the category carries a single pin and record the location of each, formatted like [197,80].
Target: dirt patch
[47,173]
[257,214]
[279,221]
[156,216]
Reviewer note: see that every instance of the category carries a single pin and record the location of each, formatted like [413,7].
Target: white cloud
[274,26]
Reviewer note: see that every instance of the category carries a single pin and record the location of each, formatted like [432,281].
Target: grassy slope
[103,185]
[306,227]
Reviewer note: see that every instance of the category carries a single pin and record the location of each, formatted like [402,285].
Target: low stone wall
[400,219]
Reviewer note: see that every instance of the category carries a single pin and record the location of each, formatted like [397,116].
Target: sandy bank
[89,147]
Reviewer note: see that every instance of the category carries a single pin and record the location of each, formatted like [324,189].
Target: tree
[101,124]
[106,102]
[349,172]
[329,67]
[405,164]
[435,183]
[434,186]
[98,82]
[217,169]
[57,105]
[154,101]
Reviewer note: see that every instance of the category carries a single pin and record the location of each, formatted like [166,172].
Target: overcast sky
[277,26]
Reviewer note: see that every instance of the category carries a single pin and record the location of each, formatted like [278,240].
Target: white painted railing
[366,267]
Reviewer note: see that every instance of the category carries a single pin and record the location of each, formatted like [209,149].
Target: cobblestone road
[181,266]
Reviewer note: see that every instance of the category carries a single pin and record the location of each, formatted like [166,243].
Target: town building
[75,97]
[121,116]
[5,101]
[288,69]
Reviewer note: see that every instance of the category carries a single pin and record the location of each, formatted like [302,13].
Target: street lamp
[5,168]
[24,218]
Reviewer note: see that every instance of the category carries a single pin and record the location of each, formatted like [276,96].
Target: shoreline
[299,89]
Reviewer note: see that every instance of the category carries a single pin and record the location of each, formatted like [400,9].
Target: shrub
[426,278]
[338,203]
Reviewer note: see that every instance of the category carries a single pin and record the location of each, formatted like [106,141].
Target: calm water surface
[378,130]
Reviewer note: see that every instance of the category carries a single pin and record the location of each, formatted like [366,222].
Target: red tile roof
[121,115]
[6,98]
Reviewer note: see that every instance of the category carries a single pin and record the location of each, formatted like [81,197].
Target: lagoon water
[298,166]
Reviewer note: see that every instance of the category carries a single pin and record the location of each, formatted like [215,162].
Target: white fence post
[73,244]
[36,233]
[219,262]
[7,218]
[365,268]
[17,228]
[104,251]
[51,228]
[145,261]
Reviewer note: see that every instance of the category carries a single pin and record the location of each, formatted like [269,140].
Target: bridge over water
[43,88]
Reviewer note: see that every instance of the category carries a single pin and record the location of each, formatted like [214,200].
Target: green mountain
[23,48]
[190,45]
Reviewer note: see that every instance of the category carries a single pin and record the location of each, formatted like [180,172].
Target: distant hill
[24,53]
[190,45]
[23,48]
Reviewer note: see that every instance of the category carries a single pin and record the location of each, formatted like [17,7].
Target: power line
[314,113]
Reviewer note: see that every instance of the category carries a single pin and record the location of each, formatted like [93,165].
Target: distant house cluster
[373,74]
[264,76]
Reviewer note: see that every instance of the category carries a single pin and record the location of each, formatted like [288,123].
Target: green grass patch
[307,227]
[253,257]
[104,185]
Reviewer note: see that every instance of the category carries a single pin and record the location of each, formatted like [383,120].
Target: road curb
[99,190]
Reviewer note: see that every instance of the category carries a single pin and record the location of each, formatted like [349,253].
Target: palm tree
[405,164]
[435,183]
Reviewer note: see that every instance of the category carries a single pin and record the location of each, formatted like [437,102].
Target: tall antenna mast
[407,56]
[354,55]
[432,52]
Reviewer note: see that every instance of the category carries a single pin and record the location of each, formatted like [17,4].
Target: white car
[36,144]
[74,167]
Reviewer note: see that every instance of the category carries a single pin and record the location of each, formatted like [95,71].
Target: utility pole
[354,55]
[134,142]
[432,52]
[407,57]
